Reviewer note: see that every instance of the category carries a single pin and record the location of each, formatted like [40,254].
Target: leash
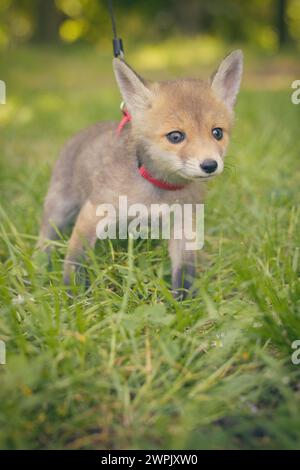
[118,48]
[118,51]
[126,118]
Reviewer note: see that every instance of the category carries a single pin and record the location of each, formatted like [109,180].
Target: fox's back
[84,156]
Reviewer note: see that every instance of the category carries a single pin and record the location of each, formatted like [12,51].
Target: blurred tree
[48,18]
[281,25]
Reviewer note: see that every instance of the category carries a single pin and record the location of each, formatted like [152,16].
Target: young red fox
[178,135]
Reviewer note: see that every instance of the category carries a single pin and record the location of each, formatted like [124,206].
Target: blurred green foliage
[267,24]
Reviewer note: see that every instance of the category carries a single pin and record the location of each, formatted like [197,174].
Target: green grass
[124,365]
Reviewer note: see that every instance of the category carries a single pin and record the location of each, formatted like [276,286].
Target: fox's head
[182,127]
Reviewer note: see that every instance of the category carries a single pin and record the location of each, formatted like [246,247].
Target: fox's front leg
[83,236]
[183,268]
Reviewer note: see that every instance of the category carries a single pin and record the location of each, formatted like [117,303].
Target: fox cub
[178,135]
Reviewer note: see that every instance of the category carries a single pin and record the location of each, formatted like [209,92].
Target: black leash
[117,42]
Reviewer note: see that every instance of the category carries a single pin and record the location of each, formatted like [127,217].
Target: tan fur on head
[191,107]
[194,107]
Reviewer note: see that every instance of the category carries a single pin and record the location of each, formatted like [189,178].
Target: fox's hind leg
[84,236]
[183,268]
[60,210]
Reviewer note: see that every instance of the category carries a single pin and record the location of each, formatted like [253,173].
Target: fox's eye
[175,137]
[217,132]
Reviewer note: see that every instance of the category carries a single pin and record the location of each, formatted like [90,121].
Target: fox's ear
[227,79]
[134,90]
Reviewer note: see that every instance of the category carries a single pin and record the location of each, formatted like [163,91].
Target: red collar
[160,184]
[142,170]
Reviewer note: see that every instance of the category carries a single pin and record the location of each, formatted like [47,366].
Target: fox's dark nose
[209,166]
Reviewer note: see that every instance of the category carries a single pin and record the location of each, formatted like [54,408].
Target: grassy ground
[125,366]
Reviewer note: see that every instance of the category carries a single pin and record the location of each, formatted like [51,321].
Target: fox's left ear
[227,79]
[134,90]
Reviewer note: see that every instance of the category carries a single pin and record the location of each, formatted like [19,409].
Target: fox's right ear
[227,79]
[134,90]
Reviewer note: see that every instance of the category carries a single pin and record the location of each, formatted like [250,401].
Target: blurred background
[161,35]
[265,24]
